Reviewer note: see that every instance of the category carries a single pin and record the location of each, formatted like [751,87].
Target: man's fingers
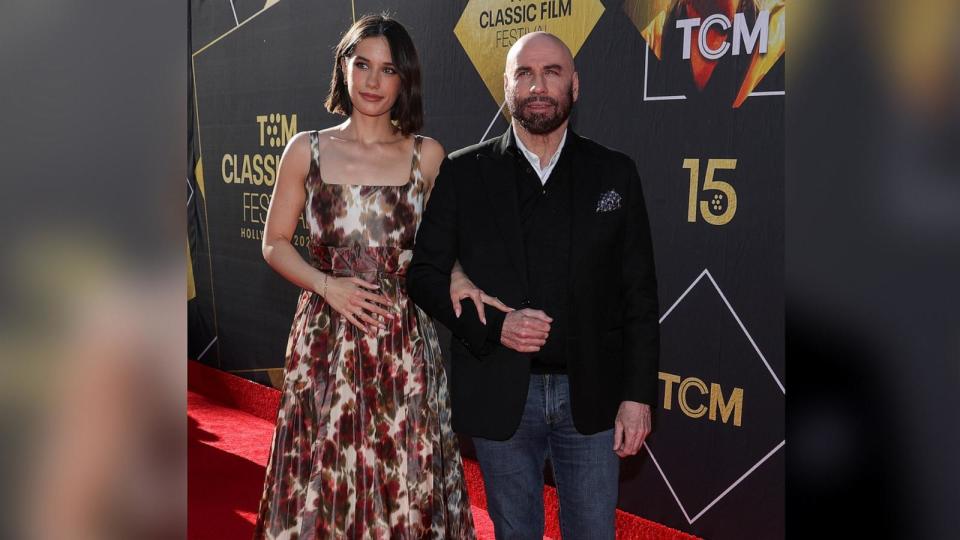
[530,323]
[640,438]
[644,433]
[521,346]
[633,443]
[535,325]
[635,437]
[537,314]
[530,340]
[617,436]
[531,335]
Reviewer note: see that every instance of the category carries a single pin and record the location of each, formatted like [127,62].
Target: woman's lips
[370,97]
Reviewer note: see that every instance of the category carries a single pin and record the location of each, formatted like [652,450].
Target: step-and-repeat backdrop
[692,90]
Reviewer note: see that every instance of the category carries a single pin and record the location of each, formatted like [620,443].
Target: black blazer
[472,216]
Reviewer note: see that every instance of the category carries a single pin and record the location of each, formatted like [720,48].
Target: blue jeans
[584,466]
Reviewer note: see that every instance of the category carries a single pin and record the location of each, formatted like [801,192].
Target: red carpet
[230,427]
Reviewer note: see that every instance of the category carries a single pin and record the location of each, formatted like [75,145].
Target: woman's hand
[461,287]
[351,297]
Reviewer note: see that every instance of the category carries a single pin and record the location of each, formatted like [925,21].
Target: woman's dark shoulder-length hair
[407,112]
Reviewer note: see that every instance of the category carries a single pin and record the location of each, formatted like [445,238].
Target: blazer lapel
[584,218]
[498,170]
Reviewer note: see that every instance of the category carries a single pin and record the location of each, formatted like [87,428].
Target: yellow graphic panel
[198,174]
[191,284]
[648,16]
[488,28]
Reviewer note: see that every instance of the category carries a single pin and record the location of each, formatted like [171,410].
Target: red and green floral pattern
[363,446]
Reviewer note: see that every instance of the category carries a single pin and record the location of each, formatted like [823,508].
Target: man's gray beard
[539,123]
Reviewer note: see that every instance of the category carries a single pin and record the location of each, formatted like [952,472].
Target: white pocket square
[609,201]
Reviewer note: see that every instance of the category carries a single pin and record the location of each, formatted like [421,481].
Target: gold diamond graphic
[487,29]
[648,16]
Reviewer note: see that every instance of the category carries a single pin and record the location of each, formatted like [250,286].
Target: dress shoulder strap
[315,151]
[415,174]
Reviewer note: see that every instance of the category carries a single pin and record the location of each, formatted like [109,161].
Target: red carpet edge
[262,402]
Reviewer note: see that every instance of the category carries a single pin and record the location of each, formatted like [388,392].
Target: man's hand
[632,426]
[525,330]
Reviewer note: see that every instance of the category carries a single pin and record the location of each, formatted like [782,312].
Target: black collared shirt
[546,219]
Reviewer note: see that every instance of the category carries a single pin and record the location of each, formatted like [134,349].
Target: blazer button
[525,303]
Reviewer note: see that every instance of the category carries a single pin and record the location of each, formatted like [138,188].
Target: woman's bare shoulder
[431,152]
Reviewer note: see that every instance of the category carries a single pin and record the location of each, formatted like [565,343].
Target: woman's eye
[389,71]
[361,65]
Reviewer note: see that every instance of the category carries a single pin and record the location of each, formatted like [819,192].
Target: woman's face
[372,80]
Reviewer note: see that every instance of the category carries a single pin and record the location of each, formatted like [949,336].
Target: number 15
[725,189]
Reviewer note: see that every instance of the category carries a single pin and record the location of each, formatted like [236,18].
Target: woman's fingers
[365,317]
[378,298]
[364,284]
[495,302]
[476,296]
[353,320]
[373,308]
[456,305]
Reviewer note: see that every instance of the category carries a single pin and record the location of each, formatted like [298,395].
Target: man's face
[540,84]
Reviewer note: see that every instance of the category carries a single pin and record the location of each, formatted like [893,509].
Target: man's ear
[576,86]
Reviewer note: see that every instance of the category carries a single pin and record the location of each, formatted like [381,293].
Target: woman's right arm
[289,196]
[349,296]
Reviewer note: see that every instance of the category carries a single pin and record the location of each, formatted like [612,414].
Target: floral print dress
[363,446]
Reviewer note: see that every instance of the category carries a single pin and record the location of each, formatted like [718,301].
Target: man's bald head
[539,45]
[540,82]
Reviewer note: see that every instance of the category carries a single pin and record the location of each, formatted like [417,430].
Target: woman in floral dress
[363,446]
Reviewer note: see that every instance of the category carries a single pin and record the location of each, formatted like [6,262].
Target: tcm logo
[744,38]
[280,128]
[260,169]
[696,399]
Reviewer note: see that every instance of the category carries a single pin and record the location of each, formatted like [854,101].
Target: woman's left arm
[461,287]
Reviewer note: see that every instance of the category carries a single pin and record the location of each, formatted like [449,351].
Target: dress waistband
[360,260]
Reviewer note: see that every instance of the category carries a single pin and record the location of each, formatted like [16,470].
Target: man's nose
[538,85]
